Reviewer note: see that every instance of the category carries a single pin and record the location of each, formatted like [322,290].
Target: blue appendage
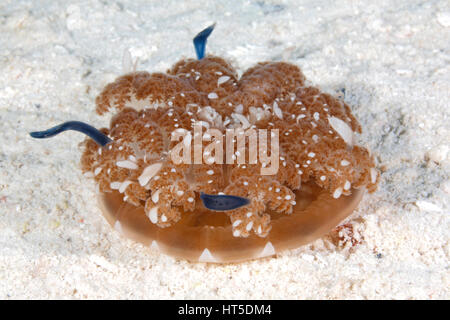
[92,132]
[223,202]
[200,41]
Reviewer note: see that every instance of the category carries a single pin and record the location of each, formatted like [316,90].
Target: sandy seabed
[389,59]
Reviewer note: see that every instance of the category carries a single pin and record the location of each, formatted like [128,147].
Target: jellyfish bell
[223,212]
[207,236]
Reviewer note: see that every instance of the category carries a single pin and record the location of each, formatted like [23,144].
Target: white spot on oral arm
[97,170]
[242,119]
[153,214]
[148,173]
[347,185]
[337,193]
[222,79]
[124,185]
[239,108]
[155,196]
[212,95]
[277,111]
[300,116]
[343,129]
[316,116]
[115,185]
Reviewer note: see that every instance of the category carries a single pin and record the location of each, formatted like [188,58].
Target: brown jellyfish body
[321,177]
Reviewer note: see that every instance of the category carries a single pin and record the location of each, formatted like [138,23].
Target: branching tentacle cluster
[315,140]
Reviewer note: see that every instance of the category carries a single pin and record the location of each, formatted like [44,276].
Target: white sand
[392,58]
